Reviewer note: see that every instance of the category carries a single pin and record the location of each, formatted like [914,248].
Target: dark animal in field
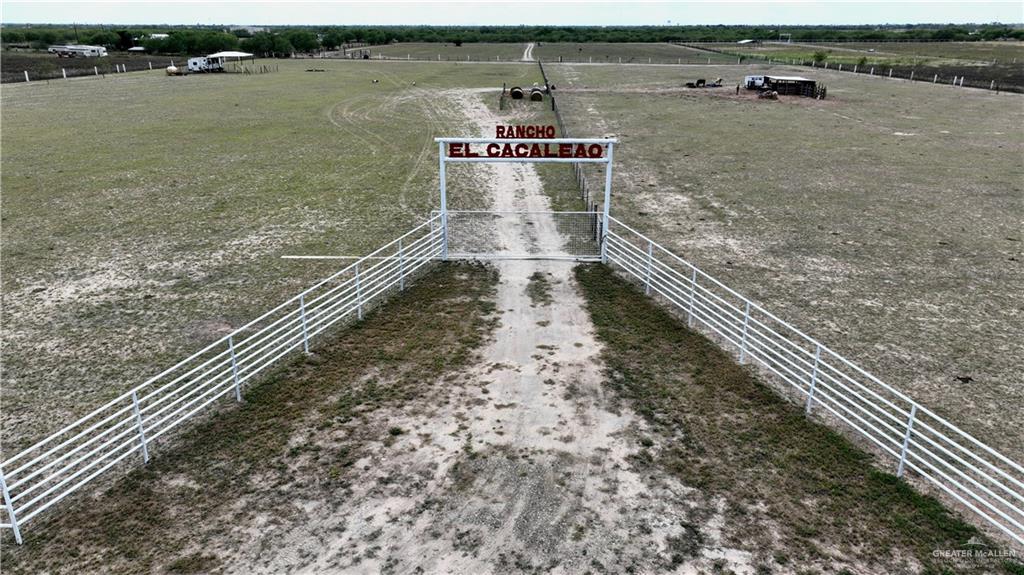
[964,378]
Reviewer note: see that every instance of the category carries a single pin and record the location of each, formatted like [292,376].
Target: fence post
[26,75]
[10,508]
[872,73]
[854,68]
[401,266]
[814,378]
[840,67]
[150,65]
[743,339]
[95,71]
[305,330]
[64,73]
[890,72]
[935,79]
[992,86]
[234,367]
[911,75]
[359,295]
[650,254]
[906,440]
[138,422]
[693,295]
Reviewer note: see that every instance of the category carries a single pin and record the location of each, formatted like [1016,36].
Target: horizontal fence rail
[42,475]
[911,436]
[497,235]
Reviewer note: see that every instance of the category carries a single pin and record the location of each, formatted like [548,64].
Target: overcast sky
[510,13]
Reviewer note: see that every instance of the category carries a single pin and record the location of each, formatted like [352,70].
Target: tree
[124,40]
[261,44]
[820,56]
[302,41]
[281,46]
[102,38]
[12,36]
[332,40]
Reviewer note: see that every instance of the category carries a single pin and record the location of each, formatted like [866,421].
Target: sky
[481,12]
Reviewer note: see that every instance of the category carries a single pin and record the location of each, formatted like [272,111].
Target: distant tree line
[283,41]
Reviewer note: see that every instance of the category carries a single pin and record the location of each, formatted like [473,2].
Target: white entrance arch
[583,231]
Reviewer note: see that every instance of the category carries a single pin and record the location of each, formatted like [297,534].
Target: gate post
[693,294]
[234,367]
[743,340]
[138,422]
[302,314]
[906,440]
[444,201]
[647,282]
[814,379]
[359,295]
[10,508]
[401,267]
[607,202]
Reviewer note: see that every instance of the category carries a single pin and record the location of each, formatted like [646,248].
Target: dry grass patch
[798,493]
[234,485]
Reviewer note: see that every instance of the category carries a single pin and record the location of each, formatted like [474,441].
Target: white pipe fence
[40,476]
[912,436]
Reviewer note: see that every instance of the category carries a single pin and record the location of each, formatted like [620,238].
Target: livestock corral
[516,415]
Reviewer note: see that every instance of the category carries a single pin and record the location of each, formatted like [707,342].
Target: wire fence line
[577,169]
[895,71]
[40,476]
[912,436]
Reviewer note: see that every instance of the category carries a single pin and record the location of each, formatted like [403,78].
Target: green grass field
[631,53]
[474,51]
[997,52]
[145,215]
[882,53]
[884,220]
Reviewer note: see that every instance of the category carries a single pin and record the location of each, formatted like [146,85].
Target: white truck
[77,50]
[202,64]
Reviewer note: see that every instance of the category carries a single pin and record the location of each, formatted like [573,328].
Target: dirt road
[528,53]
[524,463]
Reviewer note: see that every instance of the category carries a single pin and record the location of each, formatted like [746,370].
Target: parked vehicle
[203,64]
[77,50]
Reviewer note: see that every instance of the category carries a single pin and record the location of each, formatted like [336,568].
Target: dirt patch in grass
[539,289]
[798,494]
[224,492]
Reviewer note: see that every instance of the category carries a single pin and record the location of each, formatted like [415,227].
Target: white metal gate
[487,234]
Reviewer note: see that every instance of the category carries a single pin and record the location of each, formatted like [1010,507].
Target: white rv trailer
[77,50]
[205,64]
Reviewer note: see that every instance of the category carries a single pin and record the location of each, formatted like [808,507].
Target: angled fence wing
[45,473]
[912,436]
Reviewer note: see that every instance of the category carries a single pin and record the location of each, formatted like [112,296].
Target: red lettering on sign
[533,132]
[595,150]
